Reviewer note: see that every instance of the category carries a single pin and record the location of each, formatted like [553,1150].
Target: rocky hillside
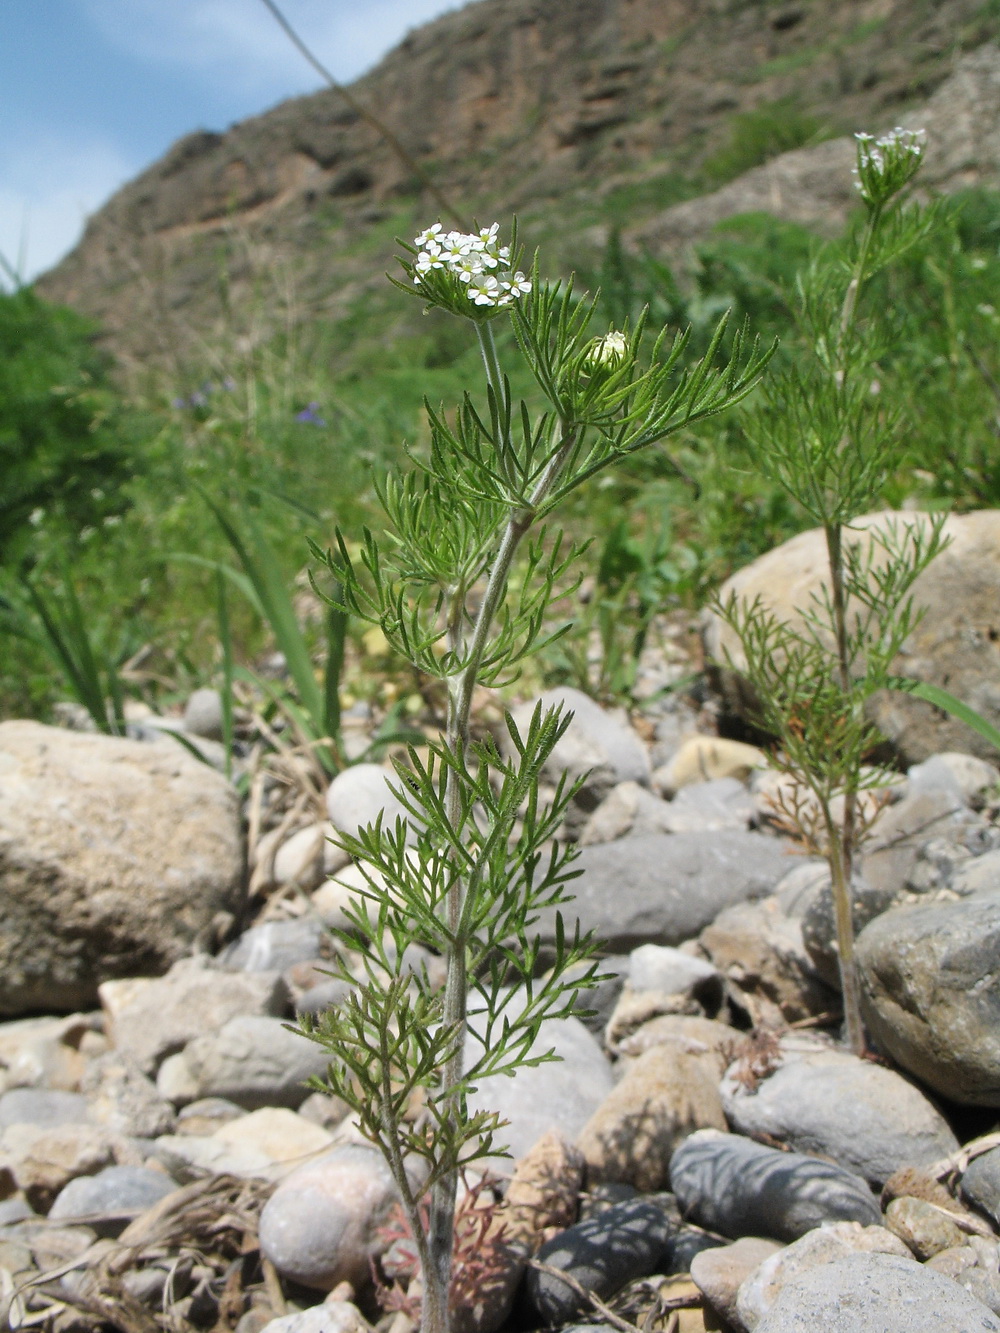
[578,114]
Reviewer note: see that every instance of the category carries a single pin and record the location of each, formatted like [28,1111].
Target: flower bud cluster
[607,353]
[479,261]
[886,164]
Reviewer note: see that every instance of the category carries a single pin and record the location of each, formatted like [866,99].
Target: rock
[740,1188]
[760,1289]
[598,746]
[275,946]
[707,759]
[902,829]
[981,1183]
[276,1131]
[122,1099]
[827,1102]
[44,1052]
[971,775]
[307,856]
[720,1272]
[627,809]
[705,807]
[560,1096]
[819,932]
[875,1293]
[248,1145]
[762,955]
[663,1097]
[203,714]
[663,981]
[974,1266]
[203,1117]
[666,888]
[359,794]
[931,994]
[938,862]
[163,1015]
[253,1061]
[41,1108]
[14,1209]
[951,646]
[319,1226]
[97,884]
[330,1317]
[57,1155]
[980,874]
[544,1190]
[924,1229]
[115,1195]
[690,1034]
[688,1243]
[626,1241]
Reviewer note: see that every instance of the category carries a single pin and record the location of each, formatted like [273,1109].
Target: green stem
[460,692]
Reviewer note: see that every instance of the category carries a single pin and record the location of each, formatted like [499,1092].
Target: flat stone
[560,1095]
[115,1195]
[544,1189]
[760,1289]
[720,1272]
[41,1107]
[830,1103]
[626,1241]
[275,946]
[707,758]
[931,994]
[319,1226]
[628,809]
[253,1061]
[163,1015]
[330,1317]
[666,888]
[706,807]
[876,1293]
[736,1187]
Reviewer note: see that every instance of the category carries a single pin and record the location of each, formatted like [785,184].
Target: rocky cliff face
[511,104]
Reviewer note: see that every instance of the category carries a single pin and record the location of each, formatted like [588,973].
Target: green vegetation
[110,484]
[757,136]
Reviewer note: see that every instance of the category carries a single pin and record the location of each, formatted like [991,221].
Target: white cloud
[239,47]
[48,187]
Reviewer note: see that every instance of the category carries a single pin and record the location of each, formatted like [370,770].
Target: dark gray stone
[688,1242]
[736,1187]
[981,1183]
[112,1197]
[876,1293]
[627,1241]
[931,994]
[44,1107]
[666,888]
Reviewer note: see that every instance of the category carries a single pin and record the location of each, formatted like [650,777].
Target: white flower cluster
[609,352]
[479,261]
[876,154]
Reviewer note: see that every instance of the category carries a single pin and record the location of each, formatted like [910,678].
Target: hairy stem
[842,840]
[840,883]
[437,1273]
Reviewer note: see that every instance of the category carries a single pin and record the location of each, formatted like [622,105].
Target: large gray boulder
[876,1293]
[116,859]
[956,645]
[828,1102]
[666,888]
[931,993]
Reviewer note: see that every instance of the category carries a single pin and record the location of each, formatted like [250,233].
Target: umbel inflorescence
[477,260]
[886,164]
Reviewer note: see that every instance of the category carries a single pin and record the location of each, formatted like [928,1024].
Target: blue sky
[92,91]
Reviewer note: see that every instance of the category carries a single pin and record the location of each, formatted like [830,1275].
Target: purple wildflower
[310,415]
